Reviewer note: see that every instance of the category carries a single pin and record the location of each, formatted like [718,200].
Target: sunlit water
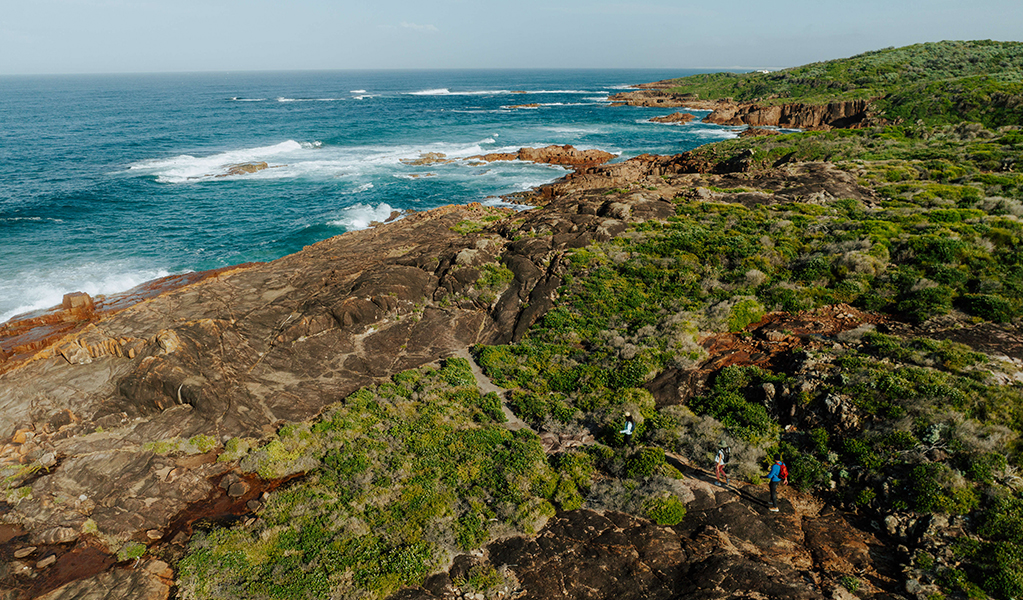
[109,181]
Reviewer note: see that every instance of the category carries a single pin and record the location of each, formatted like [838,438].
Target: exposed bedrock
[111,432]
[850,113]
[730,546]
[796,116]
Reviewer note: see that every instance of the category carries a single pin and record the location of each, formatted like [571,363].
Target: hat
[628,414]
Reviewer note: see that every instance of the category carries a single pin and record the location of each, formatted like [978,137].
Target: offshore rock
[244,169]
[554,155]
[679,117]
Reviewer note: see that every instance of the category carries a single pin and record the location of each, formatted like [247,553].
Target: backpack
[726,454]
[783,472]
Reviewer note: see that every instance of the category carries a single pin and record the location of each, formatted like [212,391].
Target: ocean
[108,181]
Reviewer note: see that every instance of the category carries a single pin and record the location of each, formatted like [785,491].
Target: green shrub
[644,462]
[458,372]
[131,551]
[744,313]
[666,510]
[990,307]
[806,472]
[920,305]
[566,495]
[983,467]
[932,488]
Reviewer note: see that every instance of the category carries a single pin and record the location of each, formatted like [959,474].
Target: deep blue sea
[110,181]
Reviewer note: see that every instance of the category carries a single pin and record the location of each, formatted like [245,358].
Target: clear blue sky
[117,36]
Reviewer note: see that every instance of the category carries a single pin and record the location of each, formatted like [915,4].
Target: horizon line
[369,69]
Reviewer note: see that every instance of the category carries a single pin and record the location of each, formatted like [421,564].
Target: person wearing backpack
[778,472]
[724,453]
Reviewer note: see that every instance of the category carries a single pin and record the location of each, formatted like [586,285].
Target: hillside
[943,82]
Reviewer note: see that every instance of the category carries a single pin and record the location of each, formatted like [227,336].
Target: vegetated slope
[943,82]
[856,316]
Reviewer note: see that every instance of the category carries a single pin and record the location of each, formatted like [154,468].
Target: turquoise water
[109,181]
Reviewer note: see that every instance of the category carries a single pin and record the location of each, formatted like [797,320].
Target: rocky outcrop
[795,116]
[123,418]
[757,132]
[728,546]
[851,113]
[552,155]
[116,423]
[660,98]
[427,158]
[245,169]
[679,117]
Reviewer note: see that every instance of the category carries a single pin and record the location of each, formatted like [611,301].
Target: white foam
[363,188]
[561,92]
[308,160]
[576,130]
[437,92]
[36,219]
[282,99]
[498,202]
[36,290]
[724,134]
[358,91]
[360,216]
[237,99]
[448,92]
[182,168]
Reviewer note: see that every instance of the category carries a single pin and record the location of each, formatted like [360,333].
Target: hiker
[724,453]
[778,472]
[630,425]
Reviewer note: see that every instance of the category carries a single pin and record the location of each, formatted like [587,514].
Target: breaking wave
[361,216]
[44,289]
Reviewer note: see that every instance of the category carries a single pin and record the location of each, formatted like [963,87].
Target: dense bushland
[943,82]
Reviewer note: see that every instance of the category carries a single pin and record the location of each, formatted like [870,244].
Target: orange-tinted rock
[679,117]
[245,168]
[797,116]
[427,158]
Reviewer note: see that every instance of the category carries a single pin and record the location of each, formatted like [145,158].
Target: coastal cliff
[852,113]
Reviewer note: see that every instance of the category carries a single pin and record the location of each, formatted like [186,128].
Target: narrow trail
[486,386]
[689,470]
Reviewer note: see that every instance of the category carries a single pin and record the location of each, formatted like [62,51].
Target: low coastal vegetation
[889,420]
[401,477]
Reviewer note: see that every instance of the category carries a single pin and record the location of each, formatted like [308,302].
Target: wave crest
[362,216]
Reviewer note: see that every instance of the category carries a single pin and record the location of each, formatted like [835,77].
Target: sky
[133,36]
